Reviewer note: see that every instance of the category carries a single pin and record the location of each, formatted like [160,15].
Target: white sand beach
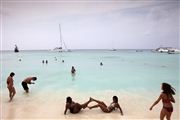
[50,106]
[137,42]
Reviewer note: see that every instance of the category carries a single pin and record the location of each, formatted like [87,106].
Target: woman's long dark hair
[167,89]
[115,99]
[68,100]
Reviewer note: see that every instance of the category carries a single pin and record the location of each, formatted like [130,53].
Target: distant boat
[168,50]
[16,49]
[60,48]
[173,51]
[112,49]
[161,49]
[139,50]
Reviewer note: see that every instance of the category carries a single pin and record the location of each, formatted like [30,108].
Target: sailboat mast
[60,36]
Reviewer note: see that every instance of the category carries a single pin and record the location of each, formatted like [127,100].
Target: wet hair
[68,100]
[167,89]
[12,74]
[115,99]
[34,78]
[73,68]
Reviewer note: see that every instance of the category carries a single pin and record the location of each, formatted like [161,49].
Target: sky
[90,24]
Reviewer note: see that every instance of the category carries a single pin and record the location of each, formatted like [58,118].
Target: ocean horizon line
[78,49]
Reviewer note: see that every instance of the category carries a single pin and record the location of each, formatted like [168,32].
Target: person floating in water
[167,99]
[26,81]
[101,64]
[10,86]
[73,71]
[105,108]
[43,61]
[63,61]
[74,107]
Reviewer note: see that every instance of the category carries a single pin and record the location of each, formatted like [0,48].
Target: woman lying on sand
[167,98]
[74,107]
[105,108]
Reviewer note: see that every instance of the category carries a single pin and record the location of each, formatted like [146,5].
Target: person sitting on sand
[26,81]
[105,108]
[10,86]
[74,107]
[167,99]
[73,70]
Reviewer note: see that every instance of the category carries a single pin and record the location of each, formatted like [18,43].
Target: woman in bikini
[105,108]
[167,99]
[74,107]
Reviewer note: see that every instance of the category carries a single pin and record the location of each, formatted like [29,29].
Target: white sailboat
[62,43]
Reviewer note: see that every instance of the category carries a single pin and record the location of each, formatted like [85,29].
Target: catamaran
[62,43]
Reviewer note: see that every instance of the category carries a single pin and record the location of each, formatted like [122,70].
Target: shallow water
[132,76]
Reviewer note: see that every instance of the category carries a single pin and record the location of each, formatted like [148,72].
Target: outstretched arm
[156,102]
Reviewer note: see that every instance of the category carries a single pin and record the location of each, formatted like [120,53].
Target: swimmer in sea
[73,70]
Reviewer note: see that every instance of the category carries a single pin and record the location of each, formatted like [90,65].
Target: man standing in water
[28,81]
[10,86]
[73,70]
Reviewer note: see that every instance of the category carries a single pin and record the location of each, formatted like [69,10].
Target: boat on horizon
[173,51]
[113,49]
[60,49]
[169,50]
[16,49]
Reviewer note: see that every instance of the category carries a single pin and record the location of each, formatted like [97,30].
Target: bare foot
[90,99]
[10,100]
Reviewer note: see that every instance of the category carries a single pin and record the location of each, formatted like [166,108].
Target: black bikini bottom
[169,109]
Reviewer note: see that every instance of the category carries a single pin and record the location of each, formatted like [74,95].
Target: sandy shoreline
[50,106]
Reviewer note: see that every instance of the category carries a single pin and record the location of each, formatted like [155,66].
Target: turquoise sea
[122,69]
[125,70]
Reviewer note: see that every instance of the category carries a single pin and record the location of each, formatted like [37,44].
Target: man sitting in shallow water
[26,81]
